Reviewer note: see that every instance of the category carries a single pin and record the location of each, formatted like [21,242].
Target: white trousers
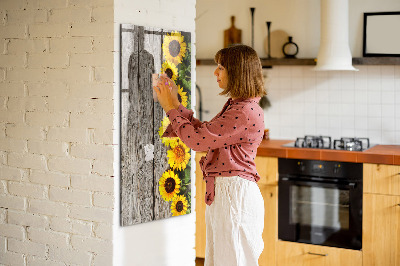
[234,223]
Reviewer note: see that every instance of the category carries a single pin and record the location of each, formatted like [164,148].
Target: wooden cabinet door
[297,254]
[267,168]
[200,209]
[381,230]
[381,179]
[270,233]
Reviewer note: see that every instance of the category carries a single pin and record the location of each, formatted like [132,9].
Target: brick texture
[56,124]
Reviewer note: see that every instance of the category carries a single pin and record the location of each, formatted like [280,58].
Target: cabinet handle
[318,254]
[398,204]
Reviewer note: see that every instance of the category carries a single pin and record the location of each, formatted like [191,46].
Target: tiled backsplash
[338,104]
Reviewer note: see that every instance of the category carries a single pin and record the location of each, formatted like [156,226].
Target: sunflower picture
[169,185]
[183,96]
[179,205]
[170,69]
[156,172]
[165,140]
[178,155]
[174,47]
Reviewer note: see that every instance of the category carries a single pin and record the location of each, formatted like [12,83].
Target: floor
[199,262]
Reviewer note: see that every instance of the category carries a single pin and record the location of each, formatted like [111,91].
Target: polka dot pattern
[231,138]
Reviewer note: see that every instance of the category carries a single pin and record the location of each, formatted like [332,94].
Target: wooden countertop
[379,154]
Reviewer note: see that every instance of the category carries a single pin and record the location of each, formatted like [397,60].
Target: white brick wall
[56,122]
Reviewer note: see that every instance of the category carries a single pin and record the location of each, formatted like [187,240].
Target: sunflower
[178,155]
[174,48]
[179,205]
[169,185]
[164,124]
[183,96]
[170,69]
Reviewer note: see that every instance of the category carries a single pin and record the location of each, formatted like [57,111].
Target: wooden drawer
[381,179]
[297,254]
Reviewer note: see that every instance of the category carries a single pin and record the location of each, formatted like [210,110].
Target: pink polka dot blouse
[231,139]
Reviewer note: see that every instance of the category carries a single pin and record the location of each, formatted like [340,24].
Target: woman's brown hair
[245,78]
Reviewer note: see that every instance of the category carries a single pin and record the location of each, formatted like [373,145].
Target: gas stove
[325,142]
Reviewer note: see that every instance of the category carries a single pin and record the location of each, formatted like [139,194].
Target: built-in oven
[320,202]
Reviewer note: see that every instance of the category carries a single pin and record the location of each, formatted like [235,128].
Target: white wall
[169,241]
[338,104]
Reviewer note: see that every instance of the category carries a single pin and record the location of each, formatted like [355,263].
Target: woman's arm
[223,131]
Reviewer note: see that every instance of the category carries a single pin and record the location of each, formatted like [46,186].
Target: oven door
[322,212]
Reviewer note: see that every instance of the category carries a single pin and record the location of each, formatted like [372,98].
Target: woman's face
[222,76]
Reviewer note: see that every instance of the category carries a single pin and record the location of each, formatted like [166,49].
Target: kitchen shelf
[312,61]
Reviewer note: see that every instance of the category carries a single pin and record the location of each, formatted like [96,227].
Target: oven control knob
[336,169]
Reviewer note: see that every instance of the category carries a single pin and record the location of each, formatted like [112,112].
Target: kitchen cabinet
[381,215]
[381,179]
[267,167]
[270,233]
[381,230]
[290,253]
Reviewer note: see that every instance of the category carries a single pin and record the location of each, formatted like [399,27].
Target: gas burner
[321,142]
[351,144]
[324,142]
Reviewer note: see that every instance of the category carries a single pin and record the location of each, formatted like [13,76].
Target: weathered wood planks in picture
[155,171]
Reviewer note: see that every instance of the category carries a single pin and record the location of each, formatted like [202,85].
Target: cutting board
[232,35]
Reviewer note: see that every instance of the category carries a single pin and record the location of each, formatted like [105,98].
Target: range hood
[334,51]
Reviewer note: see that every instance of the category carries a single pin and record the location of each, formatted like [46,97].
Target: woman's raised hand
[167,93]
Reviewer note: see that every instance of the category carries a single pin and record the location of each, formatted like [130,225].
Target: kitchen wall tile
[361,97]
[397,137]
[297,83]
[387,72]
[308,72]
[397,71]
[297,72]
[284,83]
[374,110]
[388,124]
[347,109]
[348,96]
[374,84]
[361,110]
[334,109]
[348,132]
[335,95]
[322,109]
[388,110]
[389,136]
[310,95]
[322,74]
[361,124]
[374,123]
[388,97]
[285,72]
[322,95]
[347,122]
[335,122]
[322,121]
[374,97]
[375,136]
[310,109]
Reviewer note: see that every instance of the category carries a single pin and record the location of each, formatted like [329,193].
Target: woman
[235,207]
